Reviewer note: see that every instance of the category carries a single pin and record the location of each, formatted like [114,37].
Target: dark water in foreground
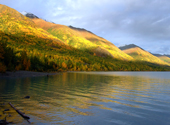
[120,98]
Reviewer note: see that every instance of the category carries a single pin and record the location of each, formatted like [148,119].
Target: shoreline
[22,73]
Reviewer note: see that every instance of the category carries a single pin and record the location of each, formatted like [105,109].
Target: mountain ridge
[30,15]
[82,39]
[142,55]
[129,46]
[37,45]
[164,57]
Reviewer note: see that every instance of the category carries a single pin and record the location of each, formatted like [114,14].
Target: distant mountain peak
[79,29]
[82,29]
[159,55]
[30,15]
[129,46]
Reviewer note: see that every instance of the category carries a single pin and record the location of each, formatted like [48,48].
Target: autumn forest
[37,45]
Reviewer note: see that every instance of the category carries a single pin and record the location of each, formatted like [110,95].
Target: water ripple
[77,98]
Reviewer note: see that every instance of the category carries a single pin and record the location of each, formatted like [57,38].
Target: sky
[145,23]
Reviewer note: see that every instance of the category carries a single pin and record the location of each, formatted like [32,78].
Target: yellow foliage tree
[64,65]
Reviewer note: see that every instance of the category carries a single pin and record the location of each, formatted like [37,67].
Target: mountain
[165,58]
[140,54]
[30,15]
[167,55]
[30,43]
[129,46]
[14,26]
[82,39]
[157,54]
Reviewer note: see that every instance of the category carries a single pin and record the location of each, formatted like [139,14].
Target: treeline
[12,60]
[18,54]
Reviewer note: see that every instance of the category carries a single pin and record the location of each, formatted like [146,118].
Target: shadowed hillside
[167,55]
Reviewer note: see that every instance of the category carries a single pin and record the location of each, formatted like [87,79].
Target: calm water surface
[85,98]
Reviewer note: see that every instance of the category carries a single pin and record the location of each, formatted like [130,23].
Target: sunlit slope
[101,42]
[141,55]
[82,39]
[33,48]
[16,25]
[164,58]
[24,45]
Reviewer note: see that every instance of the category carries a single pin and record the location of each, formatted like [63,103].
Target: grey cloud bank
[142,22]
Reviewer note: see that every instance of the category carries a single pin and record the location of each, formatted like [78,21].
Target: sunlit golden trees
[28,47]
[64,65]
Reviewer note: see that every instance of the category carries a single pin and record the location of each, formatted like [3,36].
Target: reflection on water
[89,98]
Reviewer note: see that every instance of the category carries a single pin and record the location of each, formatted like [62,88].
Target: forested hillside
[140,54]
[25,45]
[82,39]
[163,57]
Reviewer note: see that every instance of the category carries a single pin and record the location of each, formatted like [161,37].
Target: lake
[88,98]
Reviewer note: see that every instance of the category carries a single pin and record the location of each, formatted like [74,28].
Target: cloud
[160,20]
